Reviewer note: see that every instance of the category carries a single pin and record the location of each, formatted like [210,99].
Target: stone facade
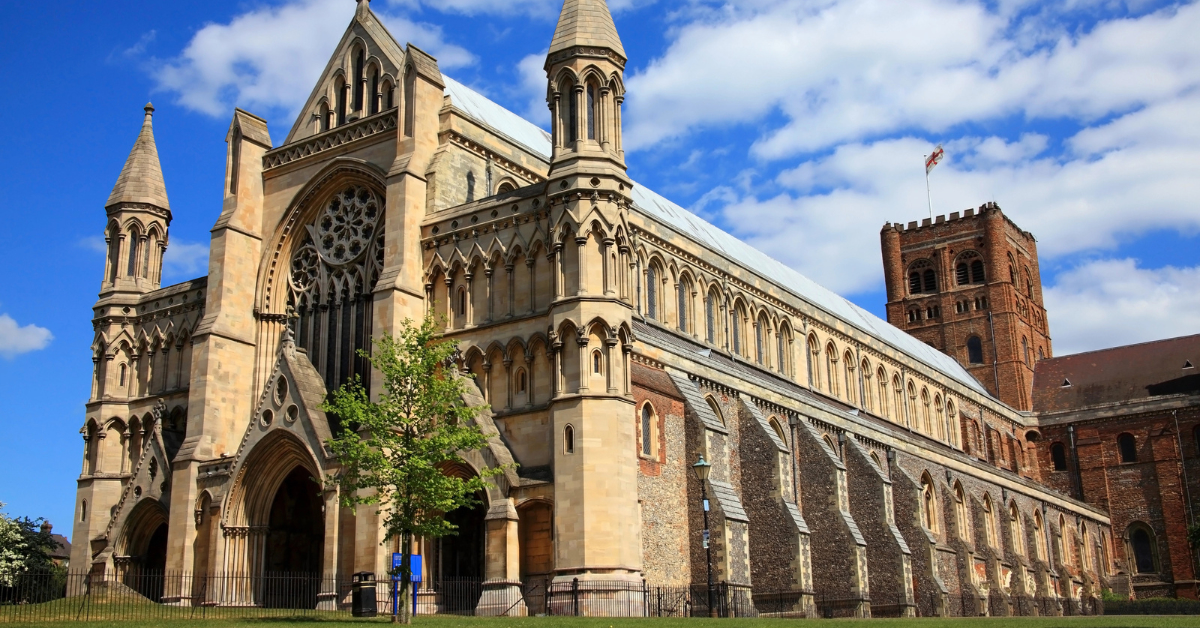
[615,337]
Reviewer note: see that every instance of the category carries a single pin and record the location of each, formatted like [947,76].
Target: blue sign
[414,565]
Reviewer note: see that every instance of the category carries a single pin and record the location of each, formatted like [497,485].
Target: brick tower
[970,286]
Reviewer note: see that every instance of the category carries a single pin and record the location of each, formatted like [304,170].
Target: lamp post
[702,468]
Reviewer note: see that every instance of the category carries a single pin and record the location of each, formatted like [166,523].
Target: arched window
[591,112]
[926,426]
[1064,547]
[737,329]
[83,510]
[1015,535]
[962,518]
[868,394]
[781,340]
[831,374]
[374,93]
[1058,455]
[505,187]
[572,115]
[134,243]
[124,370]
[974,350]
[778,429]
[1127,446]
[710,311]
[569,440]
[989,521]
[759,347]
[597,363]
[1025,351]
[929,504]
[881,376]
[977,274]
[462,301]
[647,429]
[1039,532]
[522,381]
[921,277]
[1028,283]
[1012,270]
[850,378]
[470,186]
[832,447]
[814,374]
[685,289]
[1143,548]
[652,291]
[358,80]
[962,273]
[716,408]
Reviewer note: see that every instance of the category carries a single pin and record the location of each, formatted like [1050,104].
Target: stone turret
[138,217]
[585,69]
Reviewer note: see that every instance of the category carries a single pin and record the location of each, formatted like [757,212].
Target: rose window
[346,226]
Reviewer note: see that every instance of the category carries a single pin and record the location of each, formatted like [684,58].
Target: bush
[1152,606]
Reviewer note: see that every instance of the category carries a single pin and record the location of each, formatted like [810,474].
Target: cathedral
[617,339]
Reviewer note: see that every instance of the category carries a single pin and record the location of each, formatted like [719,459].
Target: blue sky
[797,125]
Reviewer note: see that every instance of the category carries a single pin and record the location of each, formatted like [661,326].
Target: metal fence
[133,594]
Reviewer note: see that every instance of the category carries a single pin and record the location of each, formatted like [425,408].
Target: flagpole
[928,196]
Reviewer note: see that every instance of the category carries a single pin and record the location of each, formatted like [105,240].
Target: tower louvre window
[977,275]
[962,274]
[974,350]
[914,282]
[930,278]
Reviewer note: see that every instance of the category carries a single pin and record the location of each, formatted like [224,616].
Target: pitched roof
[586,23]
[689,225]
[141,179]
[1139,371]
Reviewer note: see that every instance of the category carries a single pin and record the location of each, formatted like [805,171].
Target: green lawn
[1125,621]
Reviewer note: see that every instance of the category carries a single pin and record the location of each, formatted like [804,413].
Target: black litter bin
[362,598]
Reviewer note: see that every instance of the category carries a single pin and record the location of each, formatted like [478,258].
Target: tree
[25,548]
[393,450]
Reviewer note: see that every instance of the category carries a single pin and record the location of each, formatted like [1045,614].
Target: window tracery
[332,275]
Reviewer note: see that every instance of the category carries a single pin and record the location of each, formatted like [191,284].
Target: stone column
[449,303]
[512,290]
[508,385]
[469,315]
[581,251]
[528,379]
[585,364]
[327,597]
[529,262]
[502,565]
[609,345]
[490,298]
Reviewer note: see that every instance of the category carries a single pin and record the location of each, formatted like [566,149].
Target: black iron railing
[135,594]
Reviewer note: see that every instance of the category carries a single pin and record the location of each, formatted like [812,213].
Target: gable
[381,60]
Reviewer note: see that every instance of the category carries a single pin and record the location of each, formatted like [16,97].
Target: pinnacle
[586,23]
[141,179]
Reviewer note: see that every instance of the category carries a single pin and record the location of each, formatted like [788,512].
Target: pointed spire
[363,8]
[141,179]
[586,23]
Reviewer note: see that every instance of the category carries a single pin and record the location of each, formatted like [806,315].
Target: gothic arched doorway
[142,553]
[295,539]
[461,555]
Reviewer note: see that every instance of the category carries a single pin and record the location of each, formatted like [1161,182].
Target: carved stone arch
[601,328]
[593,73]
[289,234]
[516,346]
[472,356]
[270,460]
[139,528]
[616,84]
[538,339]
[113,229]
[566,77]
[133,222]
[515,250]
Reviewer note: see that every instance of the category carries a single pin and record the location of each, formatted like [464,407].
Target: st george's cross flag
[933,159]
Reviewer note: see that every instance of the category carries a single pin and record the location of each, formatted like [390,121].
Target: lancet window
[333,273]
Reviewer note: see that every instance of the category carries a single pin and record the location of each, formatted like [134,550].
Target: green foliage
[1193,535]
[394,450]
[24,547]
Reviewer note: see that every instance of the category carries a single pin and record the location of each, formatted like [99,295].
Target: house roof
[689,225]
[1139,371]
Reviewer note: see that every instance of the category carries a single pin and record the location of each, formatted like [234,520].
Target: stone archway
[142,559]
[277,527]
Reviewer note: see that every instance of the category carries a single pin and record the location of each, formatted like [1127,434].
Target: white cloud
[16,339]
[269,59]
[185,260]
[1113,302]
[94,243]
[849,70]
[1123,183]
